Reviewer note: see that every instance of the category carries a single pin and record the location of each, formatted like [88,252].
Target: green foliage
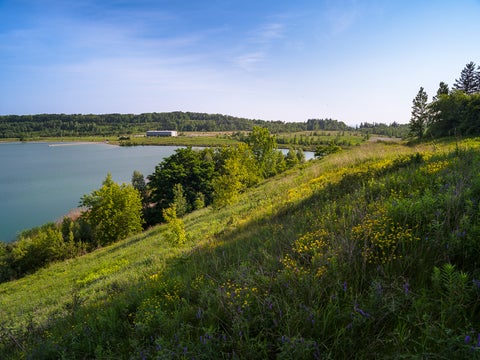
[367,253]
[228,185]
[192,169]
[325,150]
[469,79]
[180,201]
[300,156]
[308,140]
[325,124]
[451,113]
[113,212]
[394,129]
[264,148]
[119,125]
[442,90]
[456,113]
[176,229]
[139,184]
[199,201]
[36,248]
[237,170]
[420,114]
[291,159]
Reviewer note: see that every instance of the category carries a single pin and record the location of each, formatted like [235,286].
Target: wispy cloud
[267,33]
[249,61]
[341,15]
[258,45]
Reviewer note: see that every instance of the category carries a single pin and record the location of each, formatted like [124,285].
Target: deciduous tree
[114,211]
[237,170]
[264,148]
[193,169]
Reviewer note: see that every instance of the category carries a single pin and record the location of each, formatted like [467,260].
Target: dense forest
[59,125]
[13,126]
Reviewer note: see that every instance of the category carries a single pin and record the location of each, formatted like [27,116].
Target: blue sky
[354,61]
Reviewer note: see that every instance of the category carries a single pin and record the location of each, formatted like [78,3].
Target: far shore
[78,143]
[189,139]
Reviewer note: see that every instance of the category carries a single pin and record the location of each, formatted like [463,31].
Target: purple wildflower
[467,339]
[406,288]
[360,311]
[477,283]
[344,286]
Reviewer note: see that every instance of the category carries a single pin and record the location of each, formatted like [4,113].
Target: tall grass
[370,253]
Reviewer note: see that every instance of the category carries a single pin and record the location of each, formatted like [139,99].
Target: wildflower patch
[311,253]
[238,296]
[382,238]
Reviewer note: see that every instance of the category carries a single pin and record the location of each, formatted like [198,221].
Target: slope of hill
[370,253]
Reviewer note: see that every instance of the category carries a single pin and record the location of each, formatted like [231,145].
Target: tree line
[451,112]
[58,125]
[189,179]
[72,125]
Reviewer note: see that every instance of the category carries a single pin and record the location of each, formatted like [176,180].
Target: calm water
[41,182]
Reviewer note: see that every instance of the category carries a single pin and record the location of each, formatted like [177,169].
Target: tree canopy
[192,169]
[114,211]
[58,125]
[451,112]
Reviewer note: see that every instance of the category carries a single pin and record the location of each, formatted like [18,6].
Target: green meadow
[371,252]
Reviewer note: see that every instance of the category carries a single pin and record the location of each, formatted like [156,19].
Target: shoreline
[73,143]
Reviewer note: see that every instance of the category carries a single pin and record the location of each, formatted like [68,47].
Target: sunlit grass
[370,252]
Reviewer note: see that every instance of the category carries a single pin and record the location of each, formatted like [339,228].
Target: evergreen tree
[138,182]
[442,90]
[477,78]
[469,79]
[420,114]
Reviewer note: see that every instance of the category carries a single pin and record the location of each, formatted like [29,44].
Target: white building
[161,133]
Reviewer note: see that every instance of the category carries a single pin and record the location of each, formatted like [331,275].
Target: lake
[41,182]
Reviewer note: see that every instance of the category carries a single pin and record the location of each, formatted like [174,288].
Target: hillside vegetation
[366,253]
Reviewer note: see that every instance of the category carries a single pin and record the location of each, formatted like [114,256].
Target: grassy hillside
[368,253]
